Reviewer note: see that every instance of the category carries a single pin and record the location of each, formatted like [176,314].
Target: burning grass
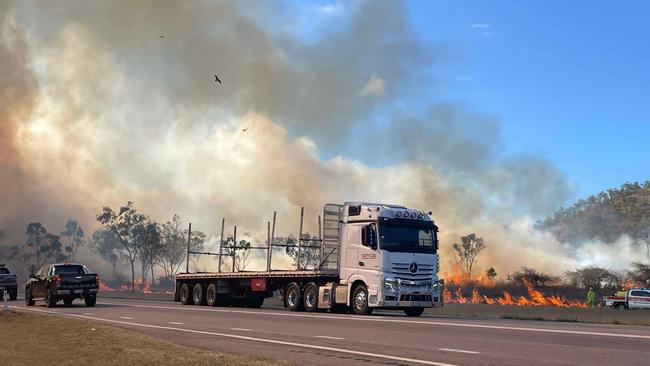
[548,313]
[29,337]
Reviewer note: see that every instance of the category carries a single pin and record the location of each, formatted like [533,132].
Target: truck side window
[638,293]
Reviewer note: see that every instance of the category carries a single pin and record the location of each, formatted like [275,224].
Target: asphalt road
[386,338]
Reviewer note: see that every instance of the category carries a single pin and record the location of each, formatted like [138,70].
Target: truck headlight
[391,285]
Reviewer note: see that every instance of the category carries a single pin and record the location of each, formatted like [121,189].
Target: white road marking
[126,318]
[458,350]
[88,314]
[176,323]
[242,329]
[328,337]
[379,319]
[246,338]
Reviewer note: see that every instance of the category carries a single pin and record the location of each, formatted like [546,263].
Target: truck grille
[415,298]
[402,271]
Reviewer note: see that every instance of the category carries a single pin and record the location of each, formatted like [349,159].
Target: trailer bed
[260,274]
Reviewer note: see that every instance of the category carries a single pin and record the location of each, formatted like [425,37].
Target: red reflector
[97,278]
[258,284]
[58,279]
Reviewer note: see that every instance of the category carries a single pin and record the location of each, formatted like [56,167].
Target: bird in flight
[245,129]
[162,36]
[216,79]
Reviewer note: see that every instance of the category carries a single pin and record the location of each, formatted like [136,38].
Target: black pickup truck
[62,281]
[8,283]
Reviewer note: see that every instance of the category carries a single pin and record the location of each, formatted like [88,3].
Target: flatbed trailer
[370,256]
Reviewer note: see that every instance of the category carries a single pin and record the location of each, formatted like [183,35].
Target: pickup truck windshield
[407,236]
[4,271]
[73,270]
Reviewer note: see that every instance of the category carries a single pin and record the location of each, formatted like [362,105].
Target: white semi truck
[371,256]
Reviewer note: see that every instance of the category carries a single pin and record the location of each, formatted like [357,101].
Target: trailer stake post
[223,222]
[234,248]
[189,238]
[302,215]
[269,249]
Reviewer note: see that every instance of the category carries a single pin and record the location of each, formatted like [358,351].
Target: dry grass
[38,339]
[598,315]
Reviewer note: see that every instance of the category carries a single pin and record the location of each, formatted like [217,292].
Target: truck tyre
[360,301]
[184,295]
[310,298]
[90,300]
[292,298]
[50,299]
[13,295]
[211,295]
[197,294]
[29,301]
[67,302]
[620,307]
[414,312]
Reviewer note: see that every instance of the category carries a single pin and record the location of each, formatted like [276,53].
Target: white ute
[635,298]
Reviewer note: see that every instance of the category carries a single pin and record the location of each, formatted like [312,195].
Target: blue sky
[569,81]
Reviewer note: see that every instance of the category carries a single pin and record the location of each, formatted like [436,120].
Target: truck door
[358,253]
[368,250]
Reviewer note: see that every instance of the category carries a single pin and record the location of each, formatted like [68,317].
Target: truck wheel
[197,294]
[414,312]
[50,299]
[184,296]
[292,297]
[310,298]
[211,295]
[13,295]
[90,300]
[67,302]
[620,307]
[29,301]
[360,301]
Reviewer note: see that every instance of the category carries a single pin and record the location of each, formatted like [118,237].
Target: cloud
[375,85]
[480,26]
[330,9]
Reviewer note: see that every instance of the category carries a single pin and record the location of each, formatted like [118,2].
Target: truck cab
[389,258]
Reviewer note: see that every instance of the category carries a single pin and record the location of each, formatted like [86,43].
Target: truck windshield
[407,236]
[4,271]
[73,270]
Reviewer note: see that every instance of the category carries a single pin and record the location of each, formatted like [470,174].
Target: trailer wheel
[292,297]
[360,301]
[414,312]
[310,298]
[211,295]
[184,296]
[197,294]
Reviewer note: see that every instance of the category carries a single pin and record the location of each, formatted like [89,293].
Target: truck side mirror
[369,236]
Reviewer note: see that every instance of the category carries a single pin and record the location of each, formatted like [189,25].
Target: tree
[108,246]
[240,251]
[640,274]
[593,276]
[466,252]
[76,236]
[149,236]
[531,276]
[41,247]
[122,224]
[309,257]
[174,248]
[491,273]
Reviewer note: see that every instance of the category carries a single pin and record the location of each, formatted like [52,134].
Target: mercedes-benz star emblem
[413,267]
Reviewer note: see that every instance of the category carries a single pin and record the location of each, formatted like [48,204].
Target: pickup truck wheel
[13,295]
[360,301]
[90,300]
[310,298]
[50,299]
[67,302]
[197,294]
[292,297]
[414,312]
[29,301]
[184,296]
[620,307]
